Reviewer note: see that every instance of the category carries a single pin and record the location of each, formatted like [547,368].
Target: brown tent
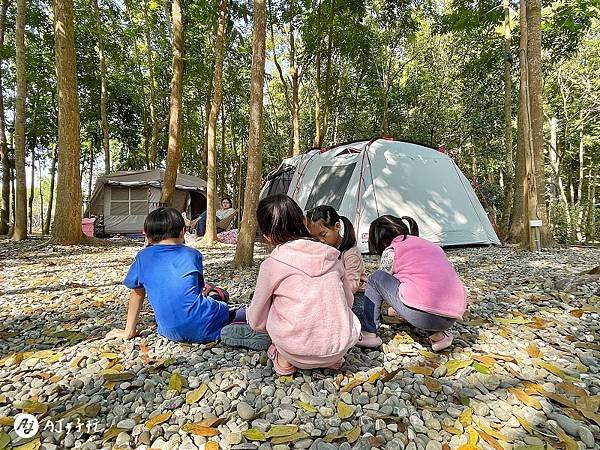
[124,199]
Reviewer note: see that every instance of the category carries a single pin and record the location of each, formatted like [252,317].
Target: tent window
[330,186]
[128,202]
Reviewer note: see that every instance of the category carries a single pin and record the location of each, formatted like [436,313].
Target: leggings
[381,287]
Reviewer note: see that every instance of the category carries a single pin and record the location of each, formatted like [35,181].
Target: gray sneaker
[242,335]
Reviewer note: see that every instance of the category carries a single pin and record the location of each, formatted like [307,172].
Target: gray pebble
[245,411]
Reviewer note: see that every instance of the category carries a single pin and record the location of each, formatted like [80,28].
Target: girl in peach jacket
[302,298]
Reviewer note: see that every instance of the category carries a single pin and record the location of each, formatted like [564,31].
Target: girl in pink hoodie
[303,298]
[415,279]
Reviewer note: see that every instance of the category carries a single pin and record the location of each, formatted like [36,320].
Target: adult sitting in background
[224,216]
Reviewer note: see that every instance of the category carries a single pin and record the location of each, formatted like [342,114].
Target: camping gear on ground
[126,198]
[87,226]
[364,180]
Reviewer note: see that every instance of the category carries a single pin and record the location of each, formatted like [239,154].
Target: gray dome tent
[364,180]
[126,198]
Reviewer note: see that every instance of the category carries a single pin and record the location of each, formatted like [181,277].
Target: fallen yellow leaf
[533,351]
[344,411]
[526,399]
[157,420]
[422,370]
[454,365]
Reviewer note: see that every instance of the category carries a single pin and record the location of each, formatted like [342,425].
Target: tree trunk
[67,220]
[176,110]
[103,89]
[581,208]
[41,198]
[509,170]
[555,164]
[5,202]
[211,183]
[32,191]
[20,230]
[318,139]
[295,76]
[89,190]
[327,100]
[590,233]
[46,226]
[244,251]
[534,63]
[153,119]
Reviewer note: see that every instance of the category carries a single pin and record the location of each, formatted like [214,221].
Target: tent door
[197,204]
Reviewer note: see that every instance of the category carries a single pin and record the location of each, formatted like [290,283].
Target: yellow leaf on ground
[353,434]
[109,355]
[34,407]
[254,434]
[466,417]
[486,360]
[422,370]
[490,440]
[344,411]
[157,420]
[387,376]
[195,395]
[119,376]
[374,377]
[556,371]
[76,361]
[281,430]
[199,430]
[352,384]
[211,445]
[111,433]
[176,382]
[429,355]
[306,407]
[534,351]
[483,427]
[451,429]
[7,421]
[525,424]
[525,398]
[568,441]
[291,438]
[454,365]
[403,338]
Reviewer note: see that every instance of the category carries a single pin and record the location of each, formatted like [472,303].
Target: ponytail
[413,228]
[349,237]
[386,228]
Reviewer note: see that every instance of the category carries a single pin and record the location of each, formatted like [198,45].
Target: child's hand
[118,333]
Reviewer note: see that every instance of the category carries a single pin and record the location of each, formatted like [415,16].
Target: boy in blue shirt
[172,276]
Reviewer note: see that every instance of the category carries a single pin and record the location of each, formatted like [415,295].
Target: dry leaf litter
[523,373]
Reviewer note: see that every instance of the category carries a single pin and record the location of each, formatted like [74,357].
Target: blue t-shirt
[173,280]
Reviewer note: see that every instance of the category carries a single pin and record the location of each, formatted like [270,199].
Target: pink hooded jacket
[303,300]
[428,282]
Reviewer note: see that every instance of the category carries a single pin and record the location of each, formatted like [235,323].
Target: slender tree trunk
[67,220]
[555,165]
[153,119]
[581,208]
[244,251]
[318,138]
[103,89]
[509,169]
[5,202]
[215,107]
[534,63]
[328,100]
[224,160]
[46,226]
[176,110]
[41,197]
[591,206]
[295,76]
[32,191]
[89,190]
[20,230]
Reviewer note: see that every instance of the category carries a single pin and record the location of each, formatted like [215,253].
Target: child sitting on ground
[415,278]
[302,298]
[328,227]
[172,276]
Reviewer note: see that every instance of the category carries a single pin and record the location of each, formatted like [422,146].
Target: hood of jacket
[311,257]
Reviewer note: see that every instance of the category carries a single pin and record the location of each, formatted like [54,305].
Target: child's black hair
[385,229]
[163,223]
[330,217]
[281,219]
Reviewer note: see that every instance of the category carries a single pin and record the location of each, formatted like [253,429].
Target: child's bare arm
[136,299]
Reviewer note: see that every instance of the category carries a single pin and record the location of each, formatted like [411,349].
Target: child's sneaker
[368,340]
[443,341]
[242,335]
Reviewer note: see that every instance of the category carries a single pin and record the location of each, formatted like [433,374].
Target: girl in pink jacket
[415,279]
[303,298]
